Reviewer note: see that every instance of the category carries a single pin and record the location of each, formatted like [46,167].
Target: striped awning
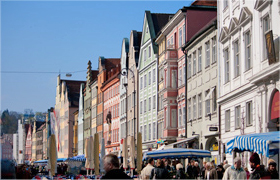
[77,158]
[262,143]
[176,153]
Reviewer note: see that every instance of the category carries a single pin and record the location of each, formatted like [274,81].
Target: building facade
[249,69]
[67,102]
[93,87]
[81,121]
[75,135]
[148,72]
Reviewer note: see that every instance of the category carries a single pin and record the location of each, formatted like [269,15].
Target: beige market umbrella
[124,153]
[52,162]
[139,152]
[87,154]
[132,154]
[91,159]
[96,154]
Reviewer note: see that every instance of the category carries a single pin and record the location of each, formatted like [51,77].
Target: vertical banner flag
[58,130]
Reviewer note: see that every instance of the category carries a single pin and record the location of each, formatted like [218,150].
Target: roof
[160,20]
[136,44]
[73,88]
[204,3]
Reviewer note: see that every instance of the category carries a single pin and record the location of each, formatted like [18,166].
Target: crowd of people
[209,170]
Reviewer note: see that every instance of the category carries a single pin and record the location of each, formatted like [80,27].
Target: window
[184,74]
[150,77]
[150,51]
[227,120]
[145,55]
[184,31]
[174,118]
[172,41]
[150,104]
[141,130]
[180,77]
[207,103]
[248,63]
[249,113]
[180,37]
[145,80]
[154,130]
[141,107]
[199,105]
[194,107]
[189,108]
[141,83]
[214,100]
[145,132]
[194,63]
[214,50]
[145,105]
[226,58]
[266,28]
[236,59]
[154,101]
[147,29]
[207,54]
[184,116]
[180,118]
[199,60]
[150,131]
[189,66]
[237,117]
[168,43]
[154,75]
[174,79]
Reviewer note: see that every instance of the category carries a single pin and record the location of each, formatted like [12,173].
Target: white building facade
[81,122]
[248,77]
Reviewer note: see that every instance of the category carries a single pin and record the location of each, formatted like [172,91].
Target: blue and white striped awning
[262,143]
[176,153]
[77,158]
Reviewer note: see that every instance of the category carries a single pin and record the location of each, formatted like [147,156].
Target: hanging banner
[275,106]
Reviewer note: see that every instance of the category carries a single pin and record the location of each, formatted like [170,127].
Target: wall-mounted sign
[275,106]
[270,47]
[213,128]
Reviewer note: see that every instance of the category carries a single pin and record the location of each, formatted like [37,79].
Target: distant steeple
[89,74]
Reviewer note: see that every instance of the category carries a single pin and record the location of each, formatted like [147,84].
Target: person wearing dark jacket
[191,170]
[180,174]
[111,167]
[272,169]
[159,172]
[220,171]
[259,171]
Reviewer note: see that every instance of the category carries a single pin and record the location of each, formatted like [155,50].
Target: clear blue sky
[62,36]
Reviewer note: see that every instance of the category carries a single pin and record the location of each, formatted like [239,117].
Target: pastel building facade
[249,70]
[80,145]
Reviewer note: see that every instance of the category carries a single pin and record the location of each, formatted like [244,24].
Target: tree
[9,122]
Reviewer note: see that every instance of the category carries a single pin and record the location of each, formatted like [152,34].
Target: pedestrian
[190,170]
[111,167]
[259,171]
[202,170]
[196,170]
[210,172]
[226,165]
[272,169]
[247,172]
[235,171]
[159,172]
[220,171]
[213,163]
[167,166]
[146,172]
[180,174]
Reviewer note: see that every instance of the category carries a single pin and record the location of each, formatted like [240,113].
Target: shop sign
[275,106]
[215,147]
[213,128]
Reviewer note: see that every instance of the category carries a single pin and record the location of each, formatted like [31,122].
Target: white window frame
[189,66]
[180,37]
[248,52]
[199,105]
[150,104]
[145,105]
[145,55]
[150,132]
[150,51]
[194,62]
[150,78]
[249,113]
[237,116]
[207,103]
[236,51]
[266,27]
[214,49]
[180,117]
[194,108]
[207,54]
[154,75]
[199,59]
[154,101]
[227,65]
[189,109]
[145,81]
[227,120]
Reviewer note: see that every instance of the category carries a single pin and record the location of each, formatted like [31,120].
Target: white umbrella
[102,155]
[139,152]
[52,155]
[91,159]
[132,154]
[96,154]
[87,154]
[125,153]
